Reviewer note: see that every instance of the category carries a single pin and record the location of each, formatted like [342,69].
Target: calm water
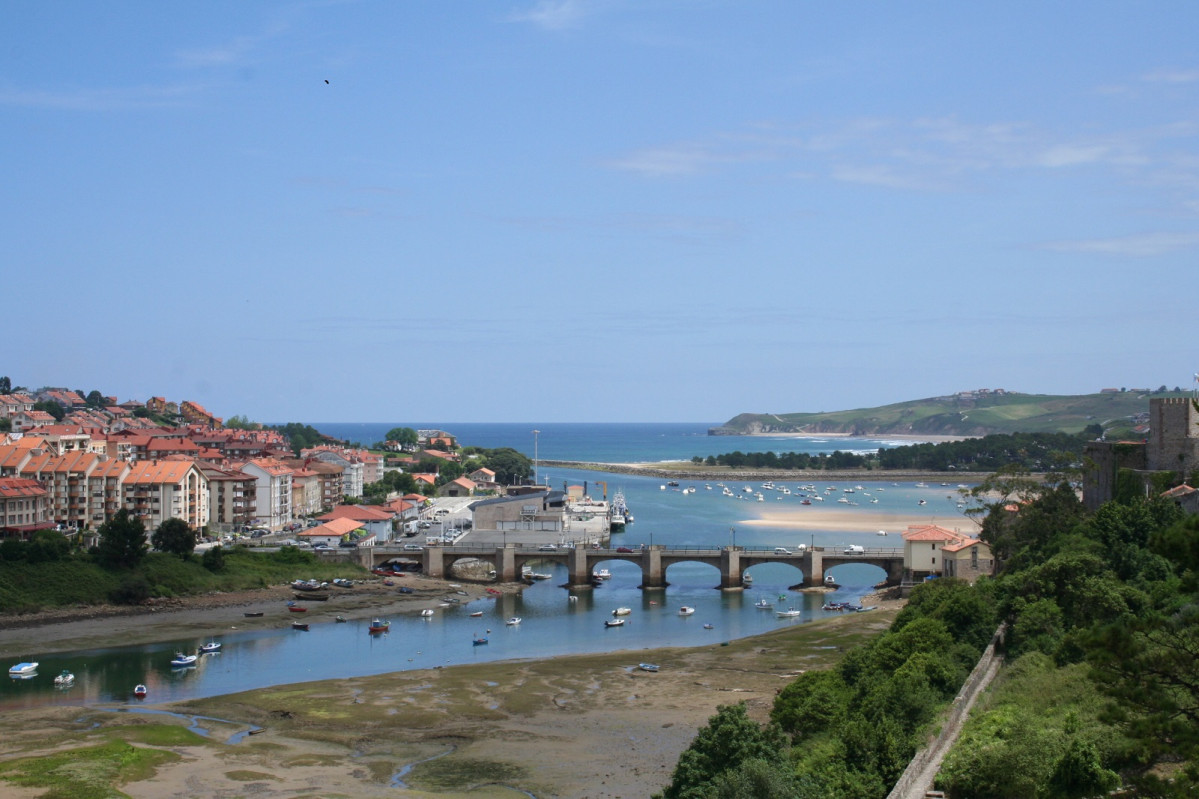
[551,624]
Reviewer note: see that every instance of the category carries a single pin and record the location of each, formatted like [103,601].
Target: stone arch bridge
[653,561]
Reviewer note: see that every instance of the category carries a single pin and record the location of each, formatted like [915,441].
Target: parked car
[782,551]
[624,549]
[547,548]
[413,547]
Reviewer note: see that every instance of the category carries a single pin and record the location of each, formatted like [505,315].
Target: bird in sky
[326,80]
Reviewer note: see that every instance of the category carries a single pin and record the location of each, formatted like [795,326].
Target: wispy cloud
[554,14]
[232,53]
[1141,245]
[1173,76]
[103,99]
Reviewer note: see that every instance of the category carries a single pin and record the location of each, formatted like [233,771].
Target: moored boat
[647,666]
[64,679]
[614,623]
[378,626]
[622,611]
[427,612]
[210,647]
[183,661]
[140,691]
[686,610]
[479,641]
[789,613]
[299,625]
[512,622]
[763,604]
[26,669]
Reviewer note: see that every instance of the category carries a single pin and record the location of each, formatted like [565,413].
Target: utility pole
[536,479]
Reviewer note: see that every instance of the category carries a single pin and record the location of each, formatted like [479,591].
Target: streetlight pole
[536,480]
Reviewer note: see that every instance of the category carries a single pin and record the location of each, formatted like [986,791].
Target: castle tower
[1174,436]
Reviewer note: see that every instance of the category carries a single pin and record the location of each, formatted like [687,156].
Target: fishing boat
[339,619]
[512,622]
[140,691]
[622,611]
[378,626]
[647,666]
[614,623]
[181,661]
[299,625]
[708,627]
[27,669]
[479,641]
[64,679]
[477,614]
[292,607]
[252,614]
[311,597]
[789,613]
[763,604]
[210,647]
[686,610]
[427,612]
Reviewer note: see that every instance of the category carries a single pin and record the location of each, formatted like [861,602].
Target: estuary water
[552,625]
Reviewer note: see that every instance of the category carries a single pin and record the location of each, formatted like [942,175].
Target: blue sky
[597,211]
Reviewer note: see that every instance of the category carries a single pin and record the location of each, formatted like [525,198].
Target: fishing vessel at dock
[618,513]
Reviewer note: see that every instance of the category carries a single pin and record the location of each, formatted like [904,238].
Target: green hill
[965,414]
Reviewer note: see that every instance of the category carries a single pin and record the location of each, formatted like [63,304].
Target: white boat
[614,623]
[512,622]
[882,532]
[140,691]
[686,610]
[427,612]
[830,579]
[747,579]
[601,574]
[64,679]
[27,669]
[921,502]
[647,666]
[210,647]
[622,611]
[182,661]
[763,604]
[789,613]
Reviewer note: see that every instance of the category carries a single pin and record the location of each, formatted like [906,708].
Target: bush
[133,590]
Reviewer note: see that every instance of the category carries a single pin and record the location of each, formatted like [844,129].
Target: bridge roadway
[653,561]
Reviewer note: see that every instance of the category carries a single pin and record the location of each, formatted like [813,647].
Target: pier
[731,561]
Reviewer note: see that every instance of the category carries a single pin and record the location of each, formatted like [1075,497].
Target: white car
[547,548]
[782,551]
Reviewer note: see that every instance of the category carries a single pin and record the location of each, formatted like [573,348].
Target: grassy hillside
[960,416]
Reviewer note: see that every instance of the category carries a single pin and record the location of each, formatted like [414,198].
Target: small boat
[299,625]
[427,612]
[27,669]
[647,666]
[747,579]
[210,647]
[181,660]
[140,691]
[686,610]
[830,579]
[477,613]
[479,641]
[378,626]
[339,619]
[789,613]
[252,614]
[614,623]
[294,608]
[921,502]
[707,626]
[622,611]
[512,622]
[763,604]
[64,679]
[311,597]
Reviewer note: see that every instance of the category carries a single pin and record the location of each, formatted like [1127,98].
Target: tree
[241,423]
[174,536]
[730,740]
[122,541]
[5,385]
[50,407]
[402,435]
[214,559]
[94,399]
[509,465]
[1080,773]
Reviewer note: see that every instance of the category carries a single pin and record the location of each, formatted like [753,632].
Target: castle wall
[1174,435]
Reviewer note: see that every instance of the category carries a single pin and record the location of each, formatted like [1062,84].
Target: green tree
[5,425]
[236,422]
[509,465]
[402,435]
[730,739]
[174,536]
[50,407]
[213,559]
[811,704]
[122,541]
[5,385]
[1079,774]
[94,399]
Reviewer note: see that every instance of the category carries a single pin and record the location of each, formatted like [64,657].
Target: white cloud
[554,14]
[666,161]
[1141,245]
[1173,76]
[102,99]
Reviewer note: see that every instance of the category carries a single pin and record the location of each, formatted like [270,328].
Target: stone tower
[1174,436]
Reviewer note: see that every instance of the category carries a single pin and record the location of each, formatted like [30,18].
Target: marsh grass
[88,772]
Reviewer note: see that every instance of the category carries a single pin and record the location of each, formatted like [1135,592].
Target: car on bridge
[547,548]
[624,549]
[782,551]
[854,549]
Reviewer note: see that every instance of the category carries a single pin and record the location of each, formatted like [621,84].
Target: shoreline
[686,470]
[600,727]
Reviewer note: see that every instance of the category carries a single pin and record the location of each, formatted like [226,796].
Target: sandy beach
[586,726]
[859,520]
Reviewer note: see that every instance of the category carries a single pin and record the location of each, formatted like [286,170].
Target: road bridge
[508,561]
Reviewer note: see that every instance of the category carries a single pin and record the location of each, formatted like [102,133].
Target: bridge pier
[505,564]
[580,571]
[652,575]
[813,568]
[730,569]
[434,562]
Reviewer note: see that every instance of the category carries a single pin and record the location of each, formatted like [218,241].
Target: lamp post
[536,481]
[733,536]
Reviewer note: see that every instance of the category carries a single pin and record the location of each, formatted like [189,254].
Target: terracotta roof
[337,527]
[362,513]
[930,532]
[158,472]
[20,487]
[1177,492]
